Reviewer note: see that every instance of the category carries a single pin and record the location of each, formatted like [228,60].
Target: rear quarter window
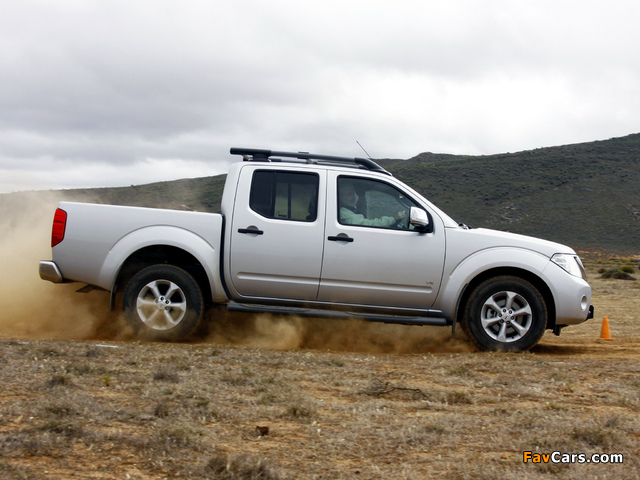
[287,195]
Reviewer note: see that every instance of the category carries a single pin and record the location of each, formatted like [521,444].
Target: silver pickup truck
[320,236]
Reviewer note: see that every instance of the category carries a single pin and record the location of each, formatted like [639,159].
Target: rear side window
[285,195]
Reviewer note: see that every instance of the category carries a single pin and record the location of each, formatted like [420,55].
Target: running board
[319,313]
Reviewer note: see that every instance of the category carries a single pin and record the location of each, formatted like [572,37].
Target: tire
[505,313]
[163,303]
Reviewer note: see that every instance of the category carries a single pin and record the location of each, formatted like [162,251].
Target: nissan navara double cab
[320,236]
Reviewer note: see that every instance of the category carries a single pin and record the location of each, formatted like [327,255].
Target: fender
[203,251]
[459,275]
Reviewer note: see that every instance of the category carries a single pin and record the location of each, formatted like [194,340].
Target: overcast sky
[109,93]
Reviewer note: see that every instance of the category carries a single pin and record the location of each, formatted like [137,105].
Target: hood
[481,238]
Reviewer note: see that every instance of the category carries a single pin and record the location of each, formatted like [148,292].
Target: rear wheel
[505,313]
[163,302]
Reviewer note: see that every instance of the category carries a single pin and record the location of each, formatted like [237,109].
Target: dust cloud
[33,308]
[291,332]
[36,309]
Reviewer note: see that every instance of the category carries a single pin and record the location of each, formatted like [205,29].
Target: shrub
[166,374]
[241,467]
[59,379]
[617,273]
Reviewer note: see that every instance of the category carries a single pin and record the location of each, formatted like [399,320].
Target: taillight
[59,225]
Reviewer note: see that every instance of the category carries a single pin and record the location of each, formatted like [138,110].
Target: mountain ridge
[585,195]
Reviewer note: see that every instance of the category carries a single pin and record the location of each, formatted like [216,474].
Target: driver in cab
[349,211]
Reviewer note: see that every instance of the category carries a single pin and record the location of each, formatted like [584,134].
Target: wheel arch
[159,255]
[163,244]
[527,275]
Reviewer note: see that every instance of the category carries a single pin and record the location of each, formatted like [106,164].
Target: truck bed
[99,238]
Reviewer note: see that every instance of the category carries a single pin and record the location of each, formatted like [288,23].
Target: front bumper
[49,271]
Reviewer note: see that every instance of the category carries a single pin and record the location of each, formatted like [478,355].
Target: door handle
[340,238]
[250,230]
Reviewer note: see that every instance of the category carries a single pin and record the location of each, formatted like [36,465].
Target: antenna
[369,156]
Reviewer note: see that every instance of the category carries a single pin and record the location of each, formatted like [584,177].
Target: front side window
[285,195]
[372,203]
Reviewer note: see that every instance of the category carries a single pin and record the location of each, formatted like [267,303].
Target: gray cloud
[100,93]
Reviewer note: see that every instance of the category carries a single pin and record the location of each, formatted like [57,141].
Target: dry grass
[223,409]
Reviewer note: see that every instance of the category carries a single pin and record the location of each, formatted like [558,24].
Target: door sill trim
[429,317]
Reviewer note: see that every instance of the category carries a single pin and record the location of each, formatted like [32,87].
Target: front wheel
[164,303]
[505,313]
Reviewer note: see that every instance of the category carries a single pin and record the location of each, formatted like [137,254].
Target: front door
[372,255]
[277,234]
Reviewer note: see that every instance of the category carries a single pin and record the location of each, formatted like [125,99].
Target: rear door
[277,233]
[372,258]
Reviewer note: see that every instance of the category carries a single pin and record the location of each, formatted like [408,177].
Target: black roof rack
[258,155]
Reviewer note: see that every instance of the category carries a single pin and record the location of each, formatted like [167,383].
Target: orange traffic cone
[605,333]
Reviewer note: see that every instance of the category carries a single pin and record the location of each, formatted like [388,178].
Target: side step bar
[319,313]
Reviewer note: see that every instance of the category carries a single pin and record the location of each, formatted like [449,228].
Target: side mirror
[419,219]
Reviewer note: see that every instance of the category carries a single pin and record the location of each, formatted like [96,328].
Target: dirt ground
[282,398]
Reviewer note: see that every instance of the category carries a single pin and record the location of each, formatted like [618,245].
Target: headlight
[570,263]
